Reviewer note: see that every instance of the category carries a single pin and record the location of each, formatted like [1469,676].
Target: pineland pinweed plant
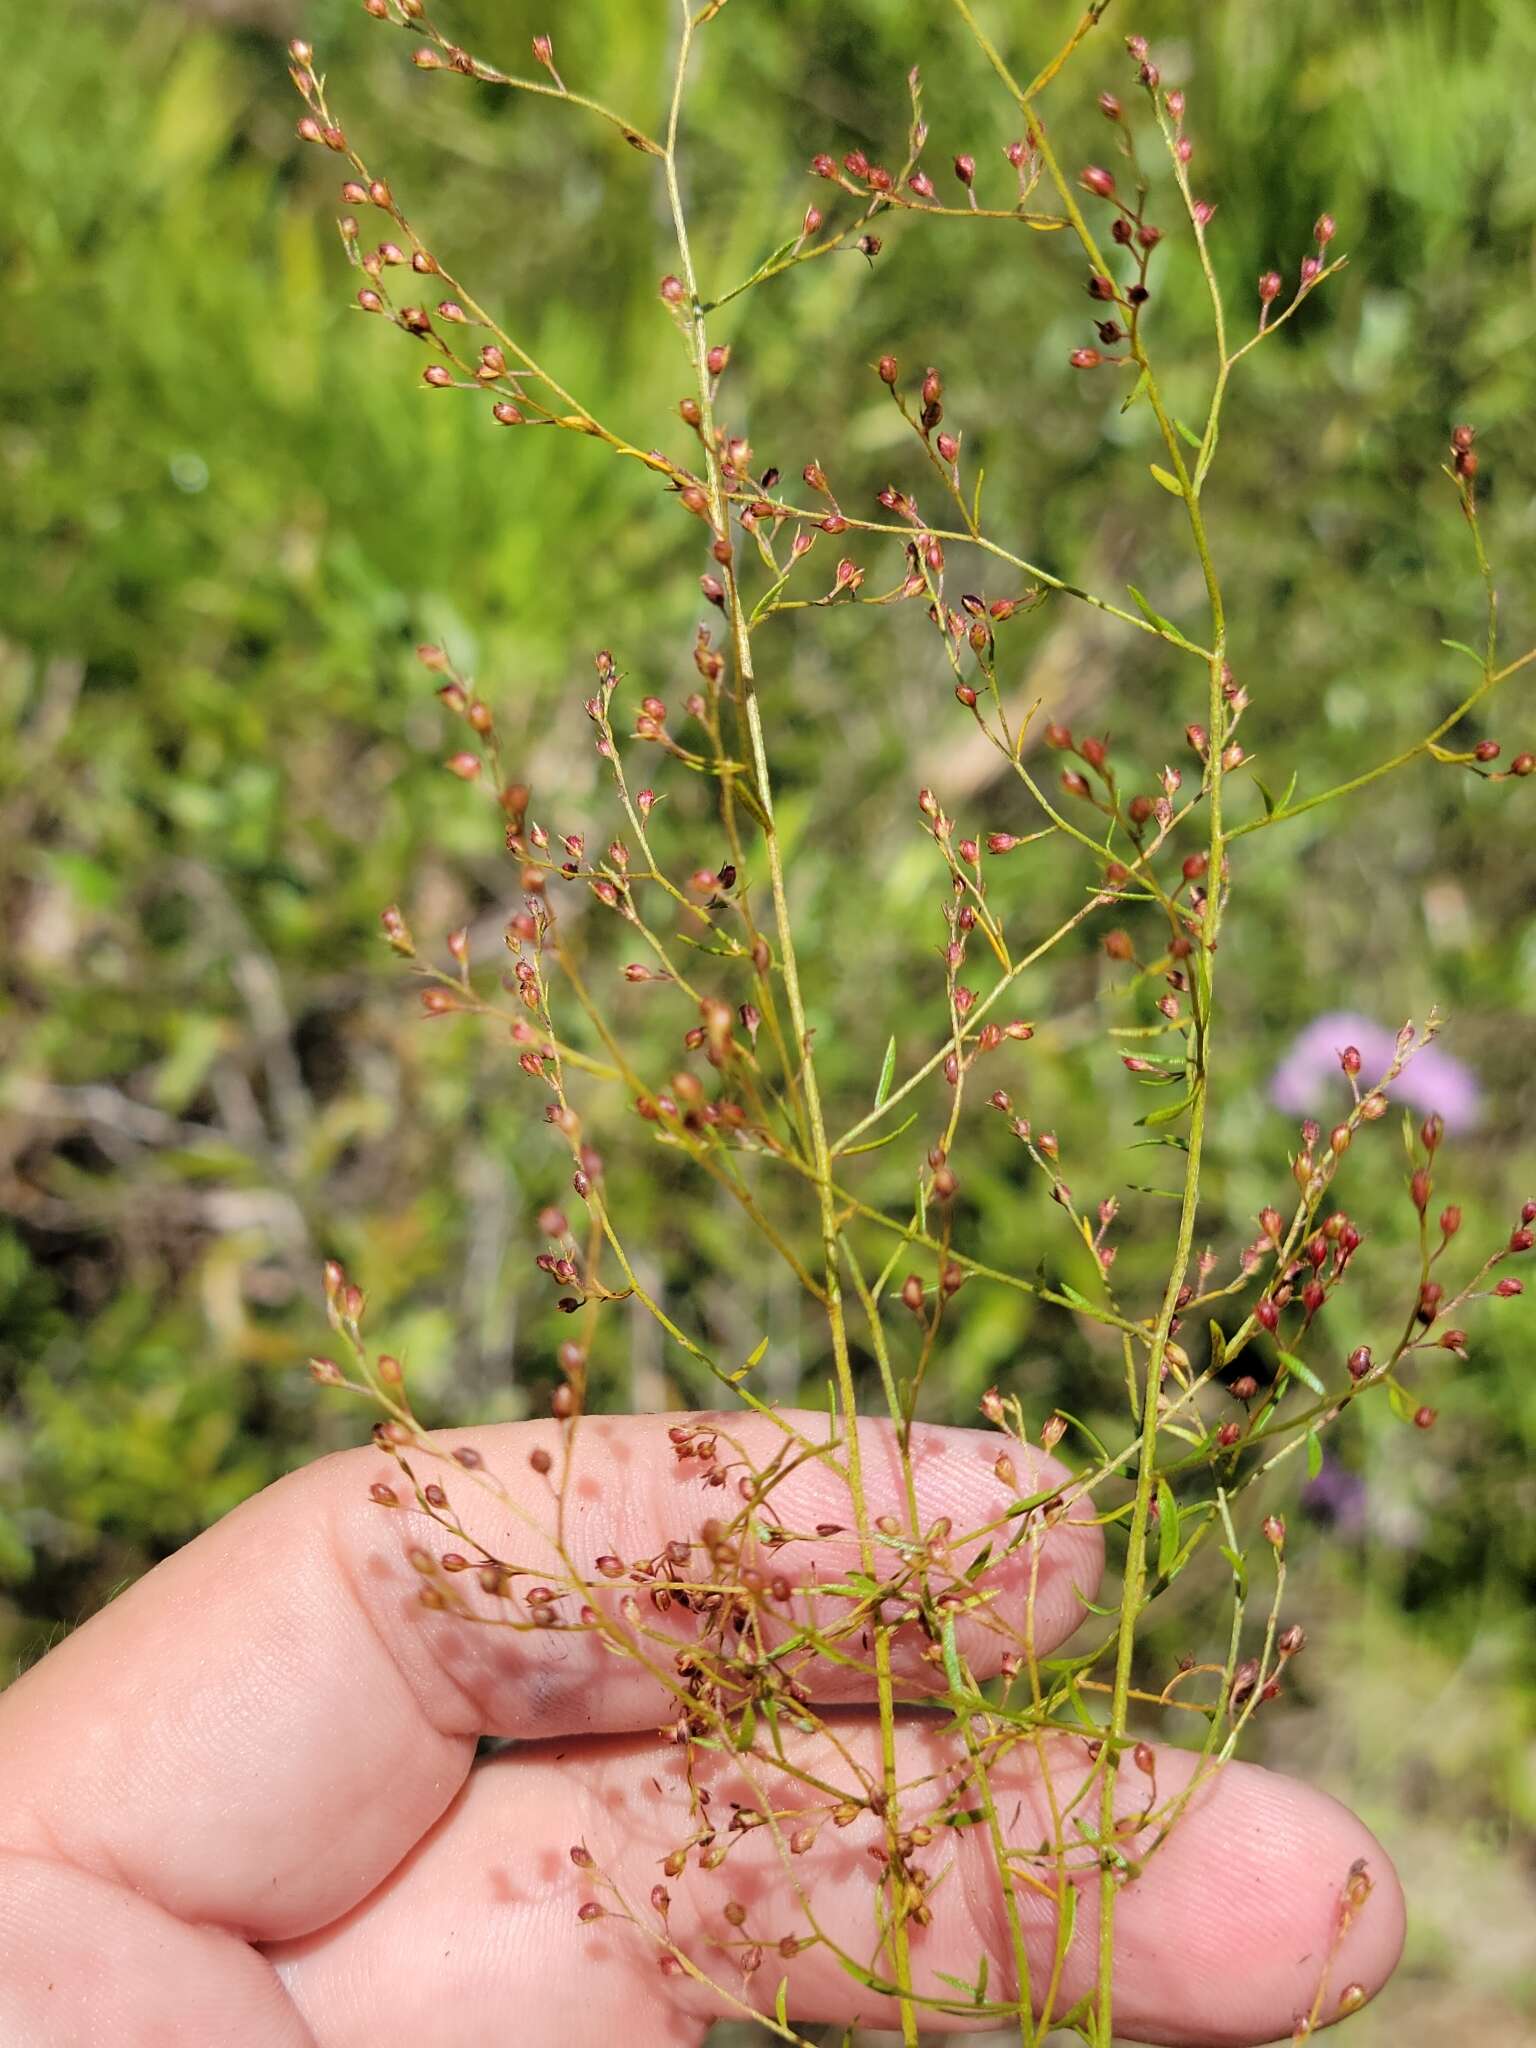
[815,1559]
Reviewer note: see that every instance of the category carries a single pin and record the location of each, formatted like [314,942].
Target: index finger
[256,1733]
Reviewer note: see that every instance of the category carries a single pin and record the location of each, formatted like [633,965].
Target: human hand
[239,1805]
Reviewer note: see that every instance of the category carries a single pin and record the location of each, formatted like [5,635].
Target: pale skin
[241,1803]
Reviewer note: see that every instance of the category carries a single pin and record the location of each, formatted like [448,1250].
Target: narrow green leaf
[887,1073]
[1078,1424]
[1187,435]
[1135,392]
[756,1359]
[1402,1402]
[1169,482]
[1303,1372]
[952,1671]
[874,1144]
[1167,1529]
[1067,1923]
[1153,618]
[1314,1454]
[781,2002]
[746,1728]
[1239,1566]
[1218,1347]
[1167,1115]
[1461,647]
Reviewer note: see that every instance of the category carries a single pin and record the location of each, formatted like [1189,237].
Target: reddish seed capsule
[1509,1287]
[1486,750]
[1267,1314]
[1424,1418]
[1292,1641]
[1109,106]
[1228,1435]
[1324,229]
[965,170]
[385,1495]
[1271,285]
[1145,1759]
[1274,1530]
[1195,865]
[887,369]
[1522,764]
[540,1460]
[1085,359]
[1520,1240]
[1360,1362]
[1097,180]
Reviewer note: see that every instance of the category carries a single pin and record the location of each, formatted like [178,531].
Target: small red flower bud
[1267,1314]
[1360,1361]
[1522,764]
[1324,228]
[1097,180]
[1462,438]
[1075,784]
[1274,1530]
[1195,865]
[887,370]
[1510,1286]
[1085,359]
[1228,1435]
[965,170]
[1454,1340]
[1312,1297]
[1109,106]
[1270,286]
[465,766]
[673,290]
[1424,1418]
[1520,1240]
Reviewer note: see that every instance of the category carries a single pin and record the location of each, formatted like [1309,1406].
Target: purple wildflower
[1338,1497]
[1309,1076]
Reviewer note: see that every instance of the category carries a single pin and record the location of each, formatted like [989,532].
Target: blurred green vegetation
[230,511]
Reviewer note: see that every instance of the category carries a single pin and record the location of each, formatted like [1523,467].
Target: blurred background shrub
[229,511]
